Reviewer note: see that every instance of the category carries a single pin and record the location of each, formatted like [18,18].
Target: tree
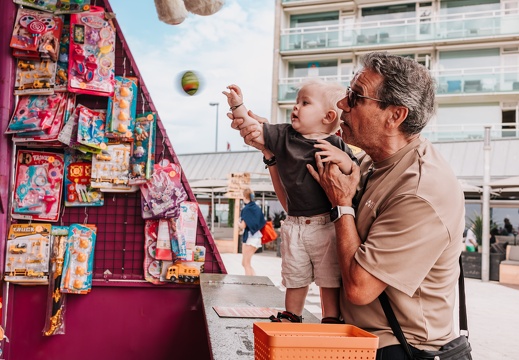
[477,226]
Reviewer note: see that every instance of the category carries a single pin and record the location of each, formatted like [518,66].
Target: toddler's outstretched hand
[234,95]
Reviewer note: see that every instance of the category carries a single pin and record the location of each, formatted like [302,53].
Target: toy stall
[103,240]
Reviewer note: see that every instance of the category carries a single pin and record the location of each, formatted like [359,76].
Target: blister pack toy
[152,265]
[143,157]
[79,259]
[91,127]
[35,77]
[163,193]
[36,33]
[120,118]
[38,185]
[27,256]
[55,320]
[71,6]
[49,136]
[91,53]
[34,113]
[187,223]
[61,80]
[45,5]
[78,190]
[110,168]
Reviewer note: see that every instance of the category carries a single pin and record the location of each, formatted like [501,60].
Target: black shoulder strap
[395,326]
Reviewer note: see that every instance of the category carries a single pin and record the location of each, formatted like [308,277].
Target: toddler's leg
[330,305]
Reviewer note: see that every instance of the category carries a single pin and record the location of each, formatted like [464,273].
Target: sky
[232,46]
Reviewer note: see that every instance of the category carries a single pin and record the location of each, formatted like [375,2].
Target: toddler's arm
[238,109]
[332,154]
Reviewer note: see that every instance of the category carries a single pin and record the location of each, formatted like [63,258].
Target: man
[405,238]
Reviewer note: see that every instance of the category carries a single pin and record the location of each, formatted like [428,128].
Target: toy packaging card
[34,113]
[143,157]
[163,193]
[78,190]
[45,5]
[91,127]
[152,265]
[91,53]
[38,185]
[35,77]
[61,80]
[187,223]
[79,259]
[120,118]
[71,6]
[110,168]
[27,255]
[37,33]
[55,320]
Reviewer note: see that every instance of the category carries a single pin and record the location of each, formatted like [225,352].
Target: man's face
[363,123]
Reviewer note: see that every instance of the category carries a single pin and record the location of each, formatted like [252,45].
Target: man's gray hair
[406,83]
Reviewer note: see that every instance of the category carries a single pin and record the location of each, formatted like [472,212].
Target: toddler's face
[309,111]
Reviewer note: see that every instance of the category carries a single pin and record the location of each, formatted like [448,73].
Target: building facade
[470,46]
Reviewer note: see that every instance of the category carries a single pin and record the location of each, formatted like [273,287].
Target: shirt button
[308,222]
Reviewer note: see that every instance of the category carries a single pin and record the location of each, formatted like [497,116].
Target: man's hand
[339,187]
[252,134]
[332,154]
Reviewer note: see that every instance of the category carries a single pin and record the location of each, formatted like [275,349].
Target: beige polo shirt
[411,219]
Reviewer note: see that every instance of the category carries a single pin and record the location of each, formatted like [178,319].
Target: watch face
[334,214]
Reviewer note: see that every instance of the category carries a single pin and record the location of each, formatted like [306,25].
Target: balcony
[495,25]
[465,132]
[487,81]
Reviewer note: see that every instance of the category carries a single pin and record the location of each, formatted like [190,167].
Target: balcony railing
[484,80]
[494,24]
[457,132]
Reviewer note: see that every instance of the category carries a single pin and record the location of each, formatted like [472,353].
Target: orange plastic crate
[277,341]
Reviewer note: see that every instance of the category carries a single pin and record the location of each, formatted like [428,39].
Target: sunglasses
[354,96]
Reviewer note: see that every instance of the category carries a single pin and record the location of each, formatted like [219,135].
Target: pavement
[492,308]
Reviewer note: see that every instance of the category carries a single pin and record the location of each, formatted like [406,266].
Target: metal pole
[216,139]
[485,255]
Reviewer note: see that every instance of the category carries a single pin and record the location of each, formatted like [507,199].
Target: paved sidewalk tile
[493,309]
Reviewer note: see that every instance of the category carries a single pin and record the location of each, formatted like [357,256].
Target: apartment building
[470,46]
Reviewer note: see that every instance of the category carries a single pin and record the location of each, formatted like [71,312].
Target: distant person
[508,227]
[471,243]
[252,221]
[308,247]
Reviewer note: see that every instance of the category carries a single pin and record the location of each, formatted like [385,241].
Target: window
[319,19]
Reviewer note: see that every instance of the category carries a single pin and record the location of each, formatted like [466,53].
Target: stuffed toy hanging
[174,12]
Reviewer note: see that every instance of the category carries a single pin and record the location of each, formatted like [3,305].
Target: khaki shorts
[309,252]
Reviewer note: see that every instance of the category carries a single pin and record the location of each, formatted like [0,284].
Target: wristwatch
[338,211]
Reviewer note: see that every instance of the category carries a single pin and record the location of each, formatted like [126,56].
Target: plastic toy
[190,82]
[187,223]
[37,33]
[38,184]
[163,193]
[79,259]
[142,159]
[78,190]
[71,6]
[55,321]
[110,168]
[35,77]
[121,109]
[27,257]
[91,127]
[34,113]
[91,53]
[174,12]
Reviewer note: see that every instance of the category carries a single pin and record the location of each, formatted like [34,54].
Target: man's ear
[399,114]
[330,117]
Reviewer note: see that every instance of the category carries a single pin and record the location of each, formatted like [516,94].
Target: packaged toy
[91,127]
[37,33]
[61,80]
[79,259]
[35,77]
[55,320]
[27,255]
[91,53]
[35,113]
[110,168]
[143,157]
[38,185]
[71,6]
[187,223]
[120,118]
[152,266]
[78,190]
